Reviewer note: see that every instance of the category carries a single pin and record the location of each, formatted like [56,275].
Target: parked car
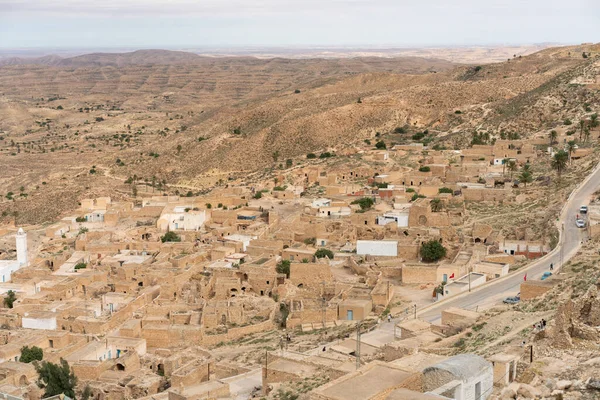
[512,300]
[580,223]
[583,209]
[546,275]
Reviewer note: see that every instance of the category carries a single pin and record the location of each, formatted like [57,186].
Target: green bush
[283,267]
[321,253]
[311,156]
[10,299]
[31,354]
[424,169]
[380,145]
[417,196]
[400,129]
[365,203]
[445,190]
[170,237]
[432,251]
[80,265]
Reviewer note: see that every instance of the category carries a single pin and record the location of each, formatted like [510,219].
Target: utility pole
[562,238]
[323,301]
[531,353]
[358,344]
[469,281]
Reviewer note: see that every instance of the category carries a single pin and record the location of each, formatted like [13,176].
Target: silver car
[580,223]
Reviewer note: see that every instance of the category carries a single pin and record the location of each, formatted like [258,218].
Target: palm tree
[526,176]
[553,136]
[581,125]
[594,121]
[571,148]
[504,162]
[512,167]
[586,133]
[436,205]
[559,162]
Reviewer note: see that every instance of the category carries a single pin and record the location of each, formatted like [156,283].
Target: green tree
[512,167]
[56,379]
[29,354]
[587,133]
[311,156]
[322,253]
[380,145]
[283,267]
[432,251]
[571,148]
[178,148]
[594,120]
[10,299]
[436,205]
[289,162]
[581,126]
[87,393]
[275,155]
[559,162]
[553,136]
[170,237]
[526,176]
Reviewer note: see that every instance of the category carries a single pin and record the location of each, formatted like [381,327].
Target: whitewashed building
[7,267]
[385,248]
[462,377]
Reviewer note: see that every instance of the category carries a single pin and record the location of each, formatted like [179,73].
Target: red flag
[525,277]
[452,276]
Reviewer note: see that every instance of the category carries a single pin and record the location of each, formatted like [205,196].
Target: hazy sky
[197,23]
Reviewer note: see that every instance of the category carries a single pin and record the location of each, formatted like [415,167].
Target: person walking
[551,267]
[389,317]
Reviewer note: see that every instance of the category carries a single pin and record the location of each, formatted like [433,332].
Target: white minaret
[22,248]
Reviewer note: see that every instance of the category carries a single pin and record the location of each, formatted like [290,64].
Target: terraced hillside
[84,124]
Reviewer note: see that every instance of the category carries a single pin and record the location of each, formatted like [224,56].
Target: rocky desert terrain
[194,122]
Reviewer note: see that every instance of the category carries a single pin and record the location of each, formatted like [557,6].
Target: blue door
[445,278]
[349,315]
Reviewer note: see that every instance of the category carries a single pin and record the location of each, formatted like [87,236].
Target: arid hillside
[77,126]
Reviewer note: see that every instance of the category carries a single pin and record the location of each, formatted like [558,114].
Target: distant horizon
[67,52]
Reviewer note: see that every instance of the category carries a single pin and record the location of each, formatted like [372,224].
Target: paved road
[494,292]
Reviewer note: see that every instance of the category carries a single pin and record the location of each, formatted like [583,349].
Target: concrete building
[180,219]
[7,267]
[354,309]
[462,377]
[464,283]
[385,248]
[400,218]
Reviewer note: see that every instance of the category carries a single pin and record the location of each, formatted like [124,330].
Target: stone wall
[415,274]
